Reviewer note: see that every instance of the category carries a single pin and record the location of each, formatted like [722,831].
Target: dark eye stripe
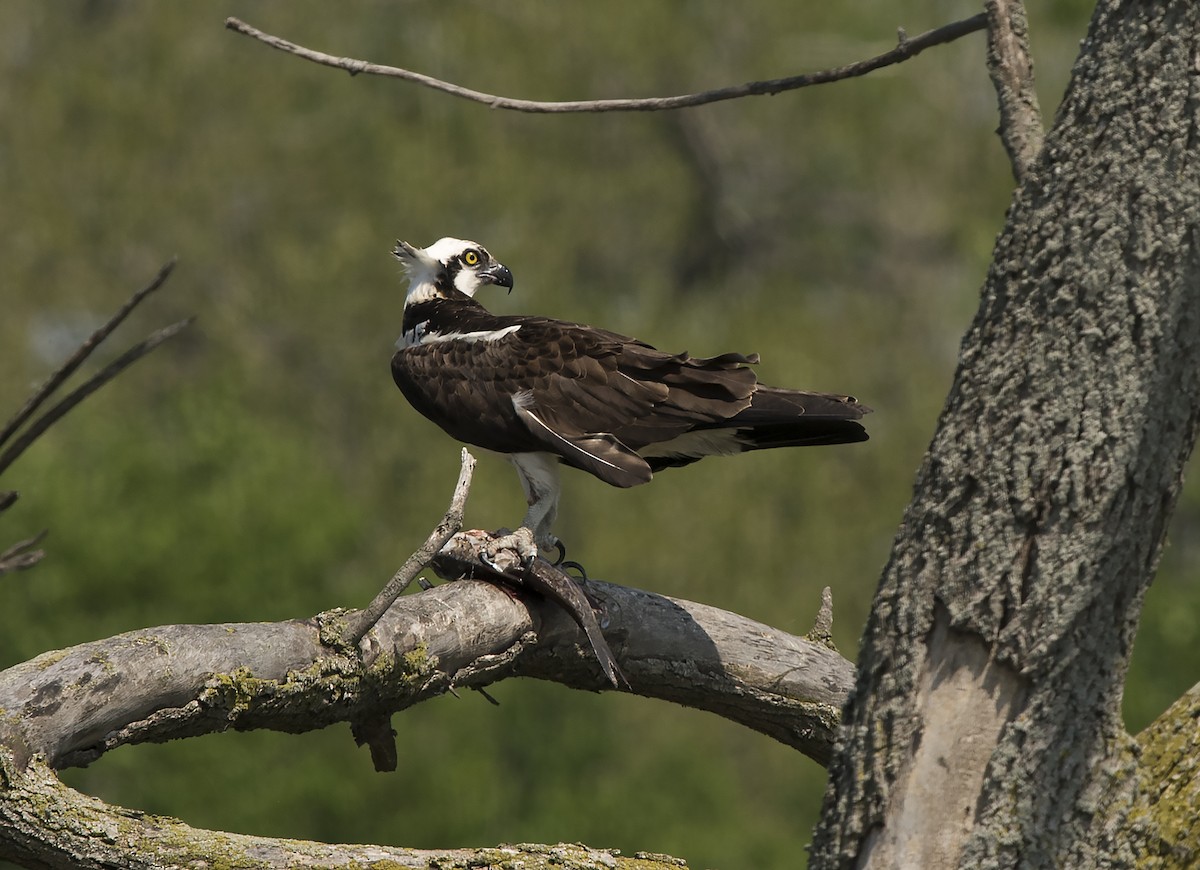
[449,271]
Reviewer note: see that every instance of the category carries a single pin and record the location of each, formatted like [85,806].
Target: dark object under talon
[539,576]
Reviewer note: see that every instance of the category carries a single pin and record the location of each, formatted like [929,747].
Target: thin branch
[1010,65]
[21,555]
[907,48]
[98,380]
[82,353]
[445,530]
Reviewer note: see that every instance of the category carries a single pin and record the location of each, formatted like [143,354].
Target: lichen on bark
[48,824]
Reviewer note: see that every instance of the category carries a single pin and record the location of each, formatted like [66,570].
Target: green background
[264,467]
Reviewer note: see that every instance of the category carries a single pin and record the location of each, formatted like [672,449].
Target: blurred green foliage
[264,467]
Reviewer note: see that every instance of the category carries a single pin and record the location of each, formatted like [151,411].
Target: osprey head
[450,264]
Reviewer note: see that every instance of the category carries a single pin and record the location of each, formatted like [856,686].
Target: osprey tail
[775,418]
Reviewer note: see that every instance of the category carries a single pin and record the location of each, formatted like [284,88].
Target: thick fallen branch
[70,706]
[905,49]
[43,823]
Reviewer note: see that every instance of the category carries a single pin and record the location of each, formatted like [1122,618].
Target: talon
[567,566]
[519,542]
[598,605]
[561,562]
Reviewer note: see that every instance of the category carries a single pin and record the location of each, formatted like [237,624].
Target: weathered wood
[1010,64]
[68,707]
[176,681]
[47,825]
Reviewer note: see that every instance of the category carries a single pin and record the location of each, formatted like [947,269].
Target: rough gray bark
[1016,580]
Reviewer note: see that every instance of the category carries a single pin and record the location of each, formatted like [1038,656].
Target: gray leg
[539,478]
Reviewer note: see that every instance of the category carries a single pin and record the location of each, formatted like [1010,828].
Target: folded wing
[609,405]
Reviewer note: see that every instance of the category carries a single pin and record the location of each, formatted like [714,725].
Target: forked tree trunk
[985,729]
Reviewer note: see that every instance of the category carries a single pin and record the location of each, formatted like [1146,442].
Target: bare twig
[21,555]
[444,531]
[376,733]
[822,630]
[906,49]
[1010,65]
[98,380]
[82,353]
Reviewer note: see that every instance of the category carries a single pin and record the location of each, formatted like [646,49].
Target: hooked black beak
[497,273]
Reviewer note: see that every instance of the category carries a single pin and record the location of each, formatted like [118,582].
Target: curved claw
[566,566]
[560,562]
[486,558]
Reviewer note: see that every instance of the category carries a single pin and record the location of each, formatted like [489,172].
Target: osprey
[546,391]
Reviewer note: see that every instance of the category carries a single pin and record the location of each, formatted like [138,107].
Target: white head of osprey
[463,264]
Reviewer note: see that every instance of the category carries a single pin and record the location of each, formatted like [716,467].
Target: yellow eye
[471,258]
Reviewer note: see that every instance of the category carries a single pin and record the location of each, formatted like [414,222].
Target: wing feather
[597,452]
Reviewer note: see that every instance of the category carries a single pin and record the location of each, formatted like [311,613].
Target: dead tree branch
[1010,65]
[67,708]
[102,377]
[81,354]
[93,835]
[71,706]
[449,526]
[22,554]
[906,48]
